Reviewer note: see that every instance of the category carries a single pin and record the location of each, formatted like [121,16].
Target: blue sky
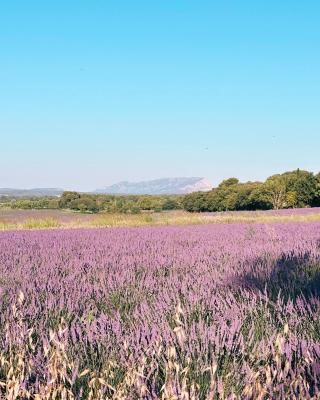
[93,92]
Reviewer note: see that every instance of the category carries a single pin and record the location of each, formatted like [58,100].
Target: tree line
[92,203]
[134,204]
[288,190]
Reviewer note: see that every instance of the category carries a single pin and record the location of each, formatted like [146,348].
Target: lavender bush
[201,312]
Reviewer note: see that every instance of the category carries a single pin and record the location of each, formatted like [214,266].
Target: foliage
[316,198]
[289,190]
[89,203]
[84,202]
[33,203]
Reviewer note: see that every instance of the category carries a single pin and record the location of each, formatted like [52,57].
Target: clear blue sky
[92,92]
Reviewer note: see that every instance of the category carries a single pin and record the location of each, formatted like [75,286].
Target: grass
[106,220]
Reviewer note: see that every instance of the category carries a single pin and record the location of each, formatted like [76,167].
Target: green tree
[66,198]
[229,182]
[316,198]
[195,202]
[303,184]
[276,191]
[170,204]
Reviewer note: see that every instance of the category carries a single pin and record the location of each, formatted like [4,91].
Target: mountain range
[153,187]
[36,192]
[158,186]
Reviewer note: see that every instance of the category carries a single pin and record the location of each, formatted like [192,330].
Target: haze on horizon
[93,93]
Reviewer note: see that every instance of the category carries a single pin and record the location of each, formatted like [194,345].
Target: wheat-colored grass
[106,220]
[63,380]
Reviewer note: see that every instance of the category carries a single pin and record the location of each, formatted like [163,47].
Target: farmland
[43,219]
[160,200]
[208,311]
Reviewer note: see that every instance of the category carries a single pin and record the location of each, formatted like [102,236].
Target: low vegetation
[190,313]
[45,219]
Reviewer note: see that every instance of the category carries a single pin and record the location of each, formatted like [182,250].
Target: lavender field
[225,311]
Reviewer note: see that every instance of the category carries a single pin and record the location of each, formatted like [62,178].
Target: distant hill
[158,186]
[37,192]
[153,187]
